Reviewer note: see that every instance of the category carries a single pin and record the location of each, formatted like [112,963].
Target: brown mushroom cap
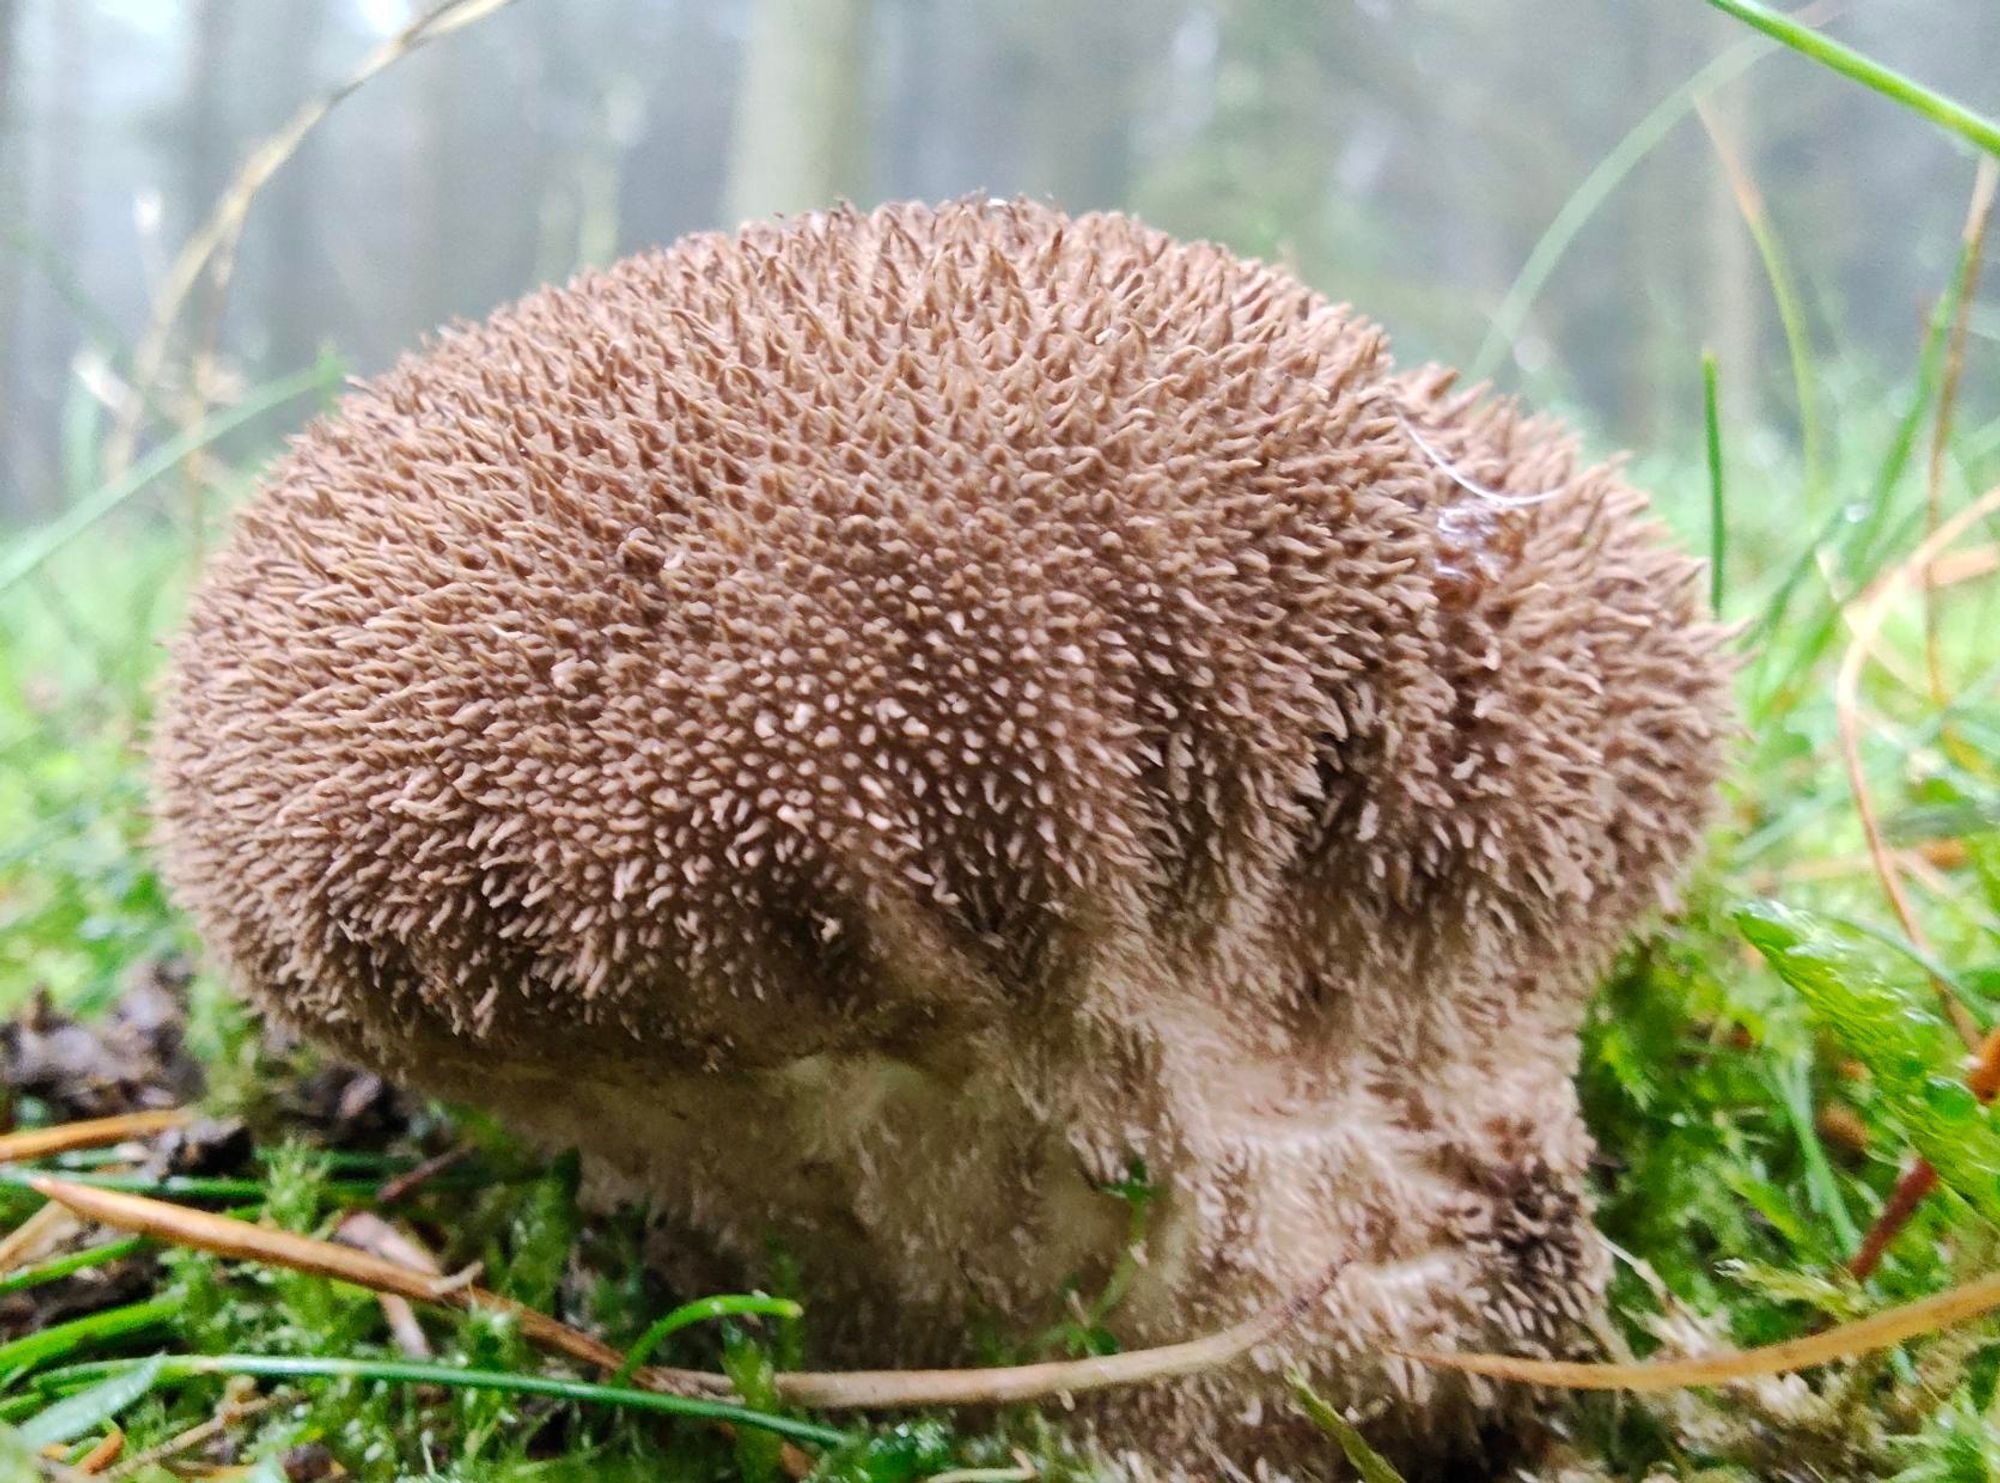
[932,639]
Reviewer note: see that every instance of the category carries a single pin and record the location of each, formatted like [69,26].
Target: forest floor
[1786,1077]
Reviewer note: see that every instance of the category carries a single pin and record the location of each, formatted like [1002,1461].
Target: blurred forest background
[1403,154]
[1576,197]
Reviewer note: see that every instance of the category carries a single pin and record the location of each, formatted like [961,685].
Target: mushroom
[879,727]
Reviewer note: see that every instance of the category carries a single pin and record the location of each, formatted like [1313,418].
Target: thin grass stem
[178,1367]
[40,545]
[1947,113]
[1718,525]
[701,1310]
[1590,195]
[57,1268]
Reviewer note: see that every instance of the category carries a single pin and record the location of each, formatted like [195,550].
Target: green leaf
[1365,1460]
[87,1410]
[1891,1028]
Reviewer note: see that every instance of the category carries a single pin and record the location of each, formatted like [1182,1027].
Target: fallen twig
[406,1183]
[96,1132]
[232,1413]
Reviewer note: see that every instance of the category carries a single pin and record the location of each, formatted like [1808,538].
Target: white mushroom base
[921,1199]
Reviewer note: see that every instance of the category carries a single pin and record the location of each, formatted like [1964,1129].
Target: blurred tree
[204,134]
[13,219]
[446,267]
[1733,298]
[1406,155]
[678,167]
[1251,160]
[288,306]
[46,334]
[1083,72]
[800,125]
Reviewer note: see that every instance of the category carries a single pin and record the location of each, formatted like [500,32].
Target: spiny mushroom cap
[871,725]
[799,641]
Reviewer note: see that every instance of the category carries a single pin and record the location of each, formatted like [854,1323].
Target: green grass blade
[38,546]
[1793,1093]
[1798,349]
[65,1338]
[1858,539]
[1907,1049]
[701,1310]
[57,1268]
[1369,1465]
[1718,536]
[1976,129]
[1591,194]
[87,1410]
[396,1372]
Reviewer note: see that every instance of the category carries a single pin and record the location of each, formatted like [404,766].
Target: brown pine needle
[406,1183]
[96,1132]
[1863,1336]
[239,1240]
[105,1453]
[1913,1187]
[1964,566]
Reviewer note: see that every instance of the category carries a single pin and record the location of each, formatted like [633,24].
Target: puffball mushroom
[878,727]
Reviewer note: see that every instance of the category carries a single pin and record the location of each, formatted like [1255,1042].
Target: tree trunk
[800,134]
[45,328]
[288,303]
[13,211]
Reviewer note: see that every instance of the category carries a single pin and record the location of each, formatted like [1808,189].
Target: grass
[1762,1071]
